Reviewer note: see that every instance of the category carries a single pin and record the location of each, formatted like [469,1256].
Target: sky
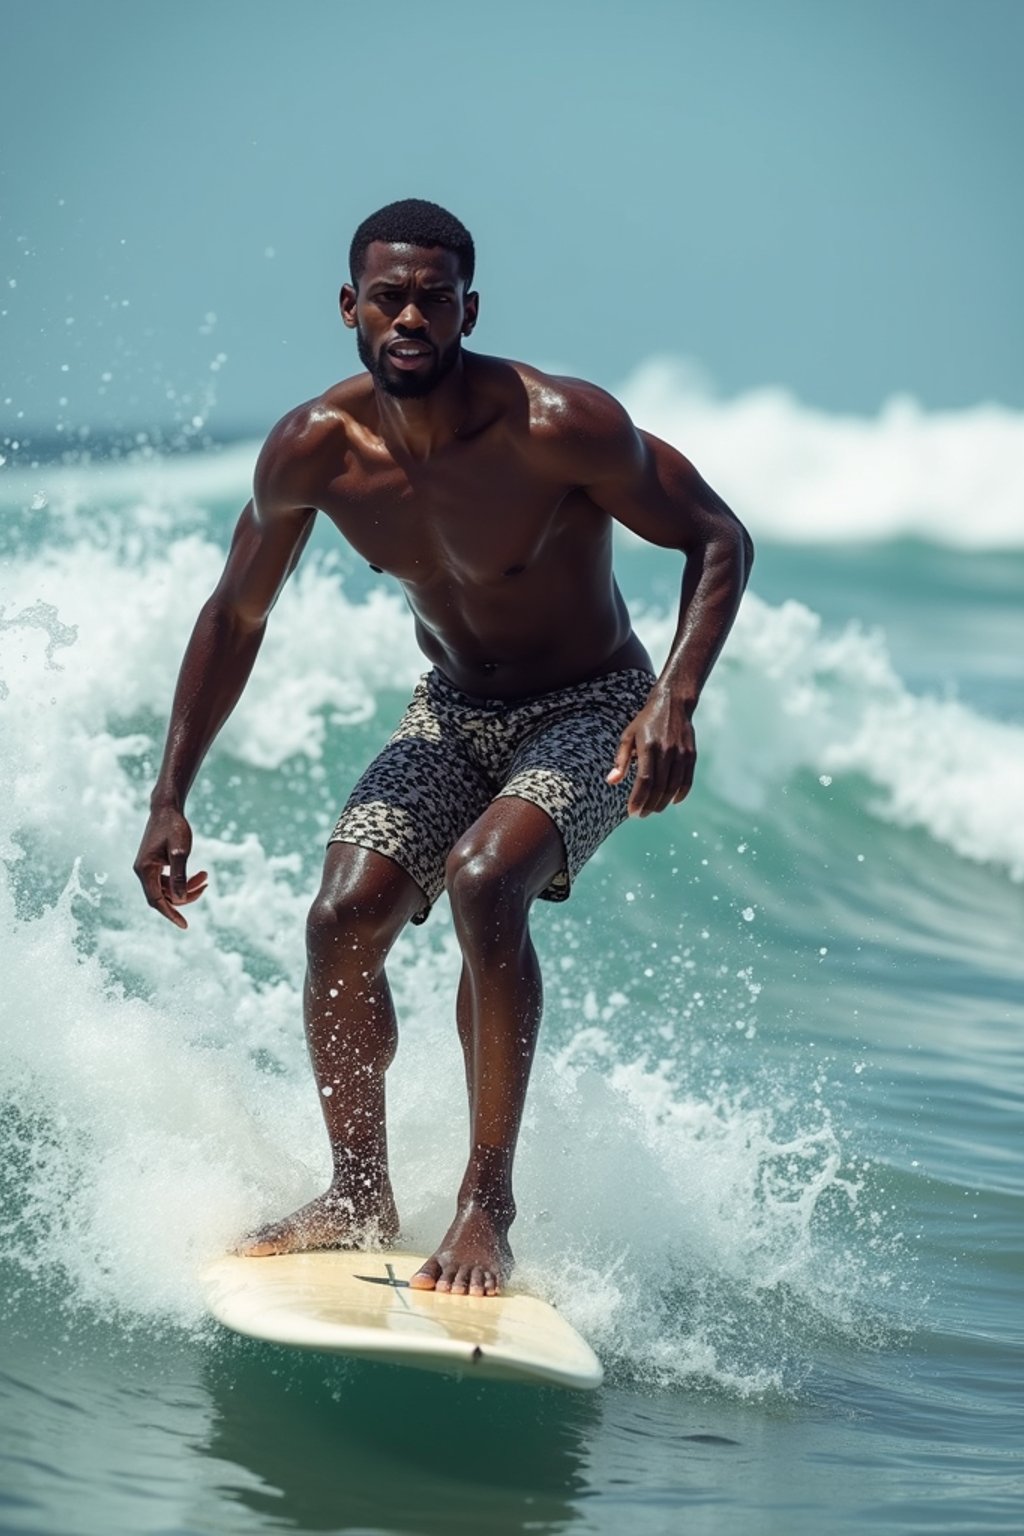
[822,196]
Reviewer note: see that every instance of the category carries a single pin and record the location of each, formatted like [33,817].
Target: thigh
[366,891]
[411,805]
[513,844]
[563,768]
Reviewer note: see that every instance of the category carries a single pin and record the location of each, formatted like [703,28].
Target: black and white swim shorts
[452,754]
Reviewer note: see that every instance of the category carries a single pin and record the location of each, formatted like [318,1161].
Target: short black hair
[413,222]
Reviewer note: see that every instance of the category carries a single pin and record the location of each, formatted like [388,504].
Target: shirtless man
[488,490]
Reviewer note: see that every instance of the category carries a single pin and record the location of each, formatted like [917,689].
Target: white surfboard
[362,1304]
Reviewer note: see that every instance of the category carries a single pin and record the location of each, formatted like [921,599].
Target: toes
[447,1280]
[427,1277]
[456,1279]
[259,1245]
[460,1282]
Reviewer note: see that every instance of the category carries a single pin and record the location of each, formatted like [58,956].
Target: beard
[403,386]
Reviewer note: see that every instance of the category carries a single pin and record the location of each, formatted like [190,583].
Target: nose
[411,318]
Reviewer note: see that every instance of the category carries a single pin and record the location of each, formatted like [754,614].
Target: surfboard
[361,1304]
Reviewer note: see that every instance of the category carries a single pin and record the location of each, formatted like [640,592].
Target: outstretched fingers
[623,757]
[183,896]
[160,893]
[177,877]
[664,777]
[161,864]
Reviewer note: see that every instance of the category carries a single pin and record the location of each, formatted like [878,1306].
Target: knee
[331,920]
[487,891]
[352,915]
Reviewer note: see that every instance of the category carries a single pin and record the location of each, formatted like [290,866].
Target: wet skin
[490,497]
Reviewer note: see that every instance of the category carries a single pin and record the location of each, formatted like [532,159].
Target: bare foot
[474,1258]
[329,1221]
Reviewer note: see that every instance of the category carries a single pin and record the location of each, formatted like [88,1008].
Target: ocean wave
[88,639]
[156,1089]
[788,697]
[141,1135]
[798,474]
[795,473]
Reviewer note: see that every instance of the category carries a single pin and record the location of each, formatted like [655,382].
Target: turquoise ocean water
[772,1161]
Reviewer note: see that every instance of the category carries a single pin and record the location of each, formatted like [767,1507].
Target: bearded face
[409,367]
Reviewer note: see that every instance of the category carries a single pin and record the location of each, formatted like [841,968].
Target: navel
[514,570]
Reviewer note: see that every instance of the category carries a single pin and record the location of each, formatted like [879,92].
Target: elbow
[741,547]
[232,619]
[748,553]
[735,548]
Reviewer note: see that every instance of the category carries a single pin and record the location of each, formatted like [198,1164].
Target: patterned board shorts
[453,754]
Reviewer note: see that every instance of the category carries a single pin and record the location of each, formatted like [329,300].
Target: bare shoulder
[577,425]
[307,447]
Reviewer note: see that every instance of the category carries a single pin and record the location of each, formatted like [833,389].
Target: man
[489,490]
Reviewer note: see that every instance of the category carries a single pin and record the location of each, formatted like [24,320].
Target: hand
[661,740]
[160,864]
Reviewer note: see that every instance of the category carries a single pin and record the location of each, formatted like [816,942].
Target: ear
[347,305]
[471,313]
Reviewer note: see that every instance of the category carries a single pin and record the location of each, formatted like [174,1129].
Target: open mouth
[410,354]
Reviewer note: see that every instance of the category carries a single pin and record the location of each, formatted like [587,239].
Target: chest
[471,516]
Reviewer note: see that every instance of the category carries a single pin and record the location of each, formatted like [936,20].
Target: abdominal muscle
[539,650]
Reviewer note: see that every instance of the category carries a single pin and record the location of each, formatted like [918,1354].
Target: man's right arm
[268,540]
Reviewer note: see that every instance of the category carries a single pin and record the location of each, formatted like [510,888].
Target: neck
[419,427]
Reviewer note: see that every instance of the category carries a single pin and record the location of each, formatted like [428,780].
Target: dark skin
[490,496]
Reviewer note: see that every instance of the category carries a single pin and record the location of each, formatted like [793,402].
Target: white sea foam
[157,1088]
[796,473]
[788,696]
[86,638]
[148,1136]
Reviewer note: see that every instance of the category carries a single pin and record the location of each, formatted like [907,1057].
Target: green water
[771,1166]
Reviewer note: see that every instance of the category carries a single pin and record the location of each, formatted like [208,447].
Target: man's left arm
[652,489]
